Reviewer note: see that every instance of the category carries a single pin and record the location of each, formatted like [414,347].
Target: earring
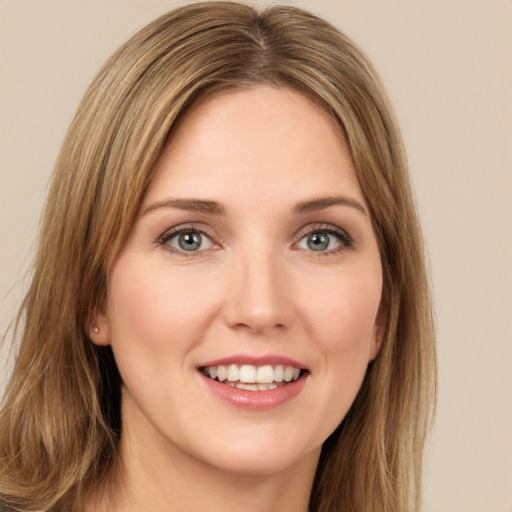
[95,329]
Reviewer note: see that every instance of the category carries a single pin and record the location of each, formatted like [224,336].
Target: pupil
[318,241]
[190,241]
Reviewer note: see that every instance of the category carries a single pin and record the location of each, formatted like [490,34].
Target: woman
[229,305]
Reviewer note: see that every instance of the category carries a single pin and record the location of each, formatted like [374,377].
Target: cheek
[154,313]
[339,313]
[343,313]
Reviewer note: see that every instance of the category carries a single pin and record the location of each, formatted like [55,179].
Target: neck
[212,490]
[150,476]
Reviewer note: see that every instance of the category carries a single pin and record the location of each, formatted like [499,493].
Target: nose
[258,296]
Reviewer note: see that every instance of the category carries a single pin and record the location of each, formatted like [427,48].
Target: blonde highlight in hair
[60,422]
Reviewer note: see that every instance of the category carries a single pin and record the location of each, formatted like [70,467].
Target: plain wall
[447,67]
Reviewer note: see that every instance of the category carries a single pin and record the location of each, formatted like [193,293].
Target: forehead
[266,141]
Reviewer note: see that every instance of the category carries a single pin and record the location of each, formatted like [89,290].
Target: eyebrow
[191,205]
[325,202]
[215,208]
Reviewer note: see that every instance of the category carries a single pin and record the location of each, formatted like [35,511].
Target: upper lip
[240,359]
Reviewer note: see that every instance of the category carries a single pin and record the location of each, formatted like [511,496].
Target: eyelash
[179,230]
[346,241]
[343,237]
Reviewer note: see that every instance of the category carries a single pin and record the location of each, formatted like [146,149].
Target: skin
[256,288]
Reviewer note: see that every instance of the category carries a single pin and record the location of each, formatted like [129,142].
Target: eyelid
[345,239]
[184,228]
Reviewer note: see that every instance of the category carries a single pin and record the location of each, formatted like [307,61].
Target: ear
[376,343]
[99,329]
[379,330]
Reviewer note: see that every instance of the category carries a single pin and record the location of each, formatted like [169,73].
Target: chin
[265,464]
[259,454]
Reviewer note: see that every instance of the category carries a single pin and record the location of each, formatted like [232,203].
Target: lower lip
[256,400]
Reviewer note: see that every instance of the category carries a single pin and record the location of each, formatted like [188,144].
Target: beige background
[447,66]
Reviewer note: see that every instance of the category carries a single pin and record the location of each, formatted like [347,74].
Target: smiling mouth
[253,378]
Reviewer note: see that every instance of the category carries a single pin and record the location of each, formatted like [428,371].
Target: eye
[188,240]
[324,240]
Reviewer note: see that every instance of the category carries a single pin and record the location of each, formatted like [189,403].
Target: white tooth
[279,373]
[272,386]
[212,370]
[222,373]
[263,387]
[248,387]
[296,373]
[288,373]
[228,383]
[265,374]
[233,372]
[247,373]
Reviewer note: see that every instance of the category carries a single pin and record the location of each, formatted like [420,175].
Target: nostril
[257,328]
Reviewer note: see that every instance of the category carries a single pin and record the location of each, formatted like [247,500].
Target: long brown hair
[60,422]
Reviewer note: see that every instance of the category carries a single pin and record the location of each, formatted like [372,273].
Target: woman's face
[252,261]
